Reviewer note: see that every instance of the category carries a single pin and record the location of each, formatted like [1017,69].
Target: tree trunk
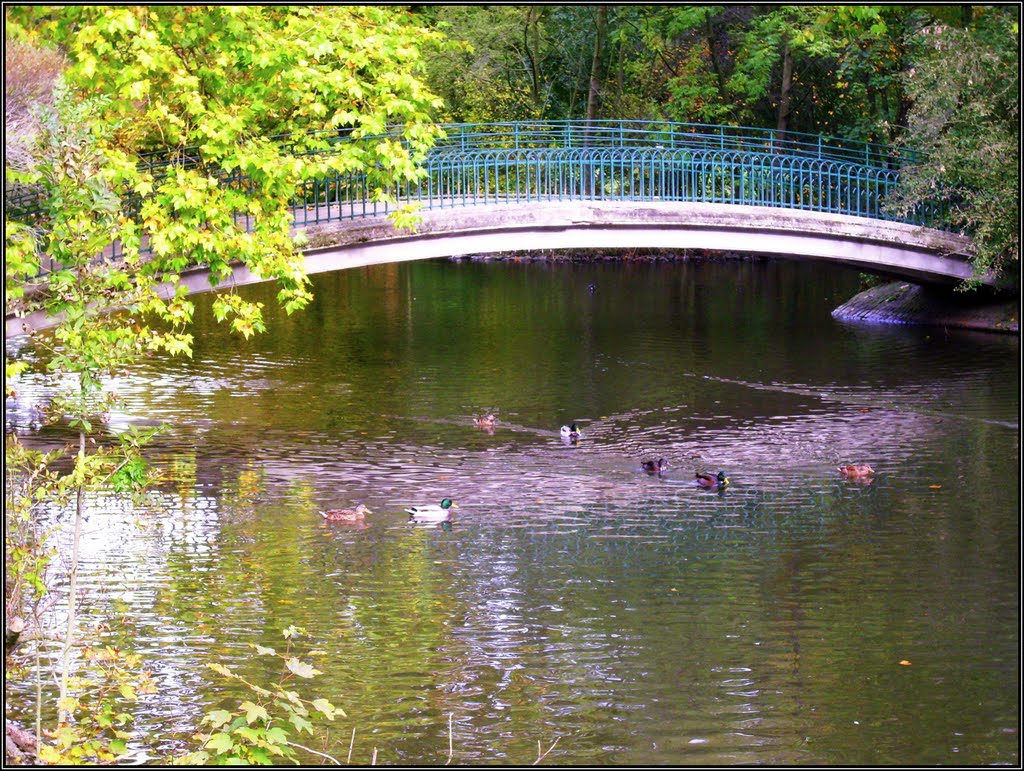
[594,93]
[20,745]
[531,36]
[784,89]
[620,81]
[716,66]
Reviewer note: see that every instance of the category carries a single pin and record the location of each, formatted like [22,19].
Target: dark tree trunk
[594,93]
[531,37]
[785,89]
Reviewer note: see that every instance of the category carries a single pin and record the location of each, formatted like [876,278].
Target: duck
[484,421]
[712,481]
[855,470]
[572,432]
[658,466]
[432,512]
[346,515]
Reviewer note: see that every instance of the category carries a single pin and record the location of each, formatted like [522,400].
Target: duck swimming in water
[658,466]
[572,432]
[712,481]
[854,470]
[484,421]
[431,513]
[346,515]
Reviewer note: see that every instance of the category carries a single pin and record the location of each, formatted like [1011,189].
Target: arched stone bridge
[621,184]
[922,255]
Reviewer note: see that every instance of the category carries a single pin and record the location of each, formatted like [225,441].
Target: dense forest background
[818,69]
[941,78]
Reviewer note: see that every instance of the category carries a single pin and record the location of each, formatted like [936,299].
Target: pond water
[576,601]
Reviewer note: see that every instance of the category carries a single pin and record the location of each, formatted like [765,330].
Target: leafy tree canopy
[966,115]
[939,78]
[487,77]
[216,90]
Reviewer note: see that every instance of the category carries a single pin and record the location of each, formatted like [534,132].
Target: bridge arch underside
[911,252]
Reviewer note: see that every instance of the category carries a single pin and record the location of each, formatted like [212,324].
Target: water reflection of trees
[535,619]
[573,587]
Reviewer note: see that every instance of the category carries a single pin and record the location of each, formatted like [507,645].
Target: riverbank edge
[900,302]
[896,302]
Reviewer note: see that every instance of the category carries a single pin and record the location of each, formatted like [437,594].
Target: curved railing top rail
[668,135]
[612,133]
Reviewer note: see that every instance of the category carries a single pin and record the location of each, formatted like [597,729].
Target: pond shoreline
[901,302]
[897,302]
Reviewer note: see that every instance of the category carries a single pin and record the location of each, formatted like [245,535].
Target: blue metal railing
[483,164]
[635,134]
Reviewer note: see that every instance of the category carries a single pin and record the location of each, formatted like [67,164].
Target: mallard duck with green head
[712,481]
[571,432]
[346,515]
[432,513]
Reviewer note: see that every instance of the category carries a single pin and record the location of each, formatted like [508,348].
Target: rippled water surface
[794,618]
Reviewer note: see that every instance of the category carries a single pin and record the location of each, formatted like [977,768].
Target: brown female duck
[659,466]
[346,515]
[484,421]
[855,470]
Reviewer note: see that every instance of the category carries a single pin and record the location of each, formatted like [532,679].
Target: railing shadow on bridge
[482,164]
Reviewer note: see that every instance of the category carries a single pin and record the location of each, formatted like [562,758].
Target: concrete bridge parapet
[881,246]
